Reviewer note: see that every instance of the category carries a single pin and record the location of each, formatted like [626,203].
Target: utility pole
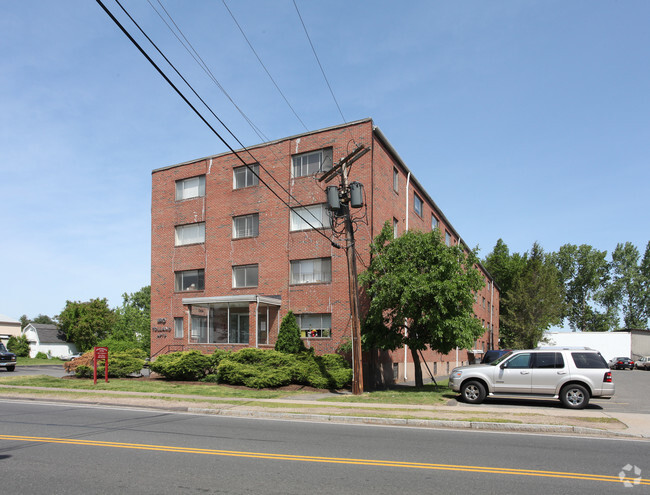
[340,202]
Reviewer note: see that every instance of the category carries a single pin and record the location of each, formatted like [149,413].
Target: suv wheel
[574,396]
[11,368]
[472,392]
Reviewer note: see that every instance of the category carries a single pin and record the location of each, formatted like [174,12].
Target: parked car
[493,355]
[7,359]
[71,356]
[573,375]
[621,363]
[643,363]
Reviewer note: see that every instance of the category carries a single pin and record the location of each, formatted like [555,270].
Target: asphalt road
[69,449]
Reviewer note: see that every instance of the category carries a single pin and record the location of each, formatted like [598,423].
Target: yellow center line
[331,460]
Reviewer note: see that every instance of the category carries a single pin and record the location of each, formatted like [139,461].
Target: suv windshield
[500,360]
[2,347]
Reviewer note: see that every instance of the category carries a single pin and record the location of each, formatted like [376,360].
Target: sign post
[100,353]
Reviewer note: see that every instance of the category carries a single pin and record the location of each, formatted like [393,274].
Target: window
[395,180]
[588,360]
[301,218]
[178,328]
[549,360]
[395,231]
[311,271]
[244,177]
[312,163]
[192,233]
[519,361]
[434,222]
[315,325]
[244,276]
[417,204]
[246,226]
[199,329]
[193,187]
[447,238]
[190,280]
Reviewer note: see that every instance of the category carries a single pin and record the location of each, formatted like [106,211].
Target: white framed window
[395,228]
[315,325]
[189,280]
[191,233]
[311,163]
[193,187]
[244,177]
[318,270]
[447,238]
[244,276]
[395,180]
[178,327]
[417,204]
[307,217]
[199,328]
[434,222]
[246,226]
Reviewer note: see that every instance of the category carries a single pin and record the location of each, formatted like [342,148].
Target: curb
[416,423]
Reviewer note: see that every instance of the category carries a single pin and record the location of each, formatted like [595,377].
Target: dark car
[7,359]
[493,355]
[621,363]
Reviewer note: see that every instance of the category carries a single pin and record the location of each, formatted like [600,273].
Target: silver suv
[573,375]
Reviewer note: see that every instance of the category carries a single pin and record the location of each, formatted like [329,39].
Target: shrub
[42,355]
[257,368]
[120,365]
[18,345]
[184,365]
[289,336]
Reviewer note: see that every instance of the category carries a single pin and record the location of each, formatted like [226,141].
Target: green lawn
[162,387]
[25,361]
[401,394]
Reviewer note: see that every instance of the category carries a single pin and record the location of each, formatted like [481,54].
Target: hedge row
[256,368]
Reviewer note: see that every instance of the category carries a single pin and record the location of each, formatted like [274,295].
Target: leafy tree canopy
[85,323]
[583,271]
[534,303]
[133,319]
[421,294]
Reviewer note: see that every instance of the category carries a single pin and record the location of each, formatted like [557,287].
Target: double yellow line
[331,460]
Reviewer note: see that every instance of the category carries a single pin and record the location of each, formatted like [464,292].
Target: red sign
[100,353]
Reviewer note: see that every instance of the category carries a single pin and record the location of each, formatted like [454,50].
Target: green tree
[18,345]
[289,335]
[421,294]
[583,272]
[85,323]
[505,270]
[627,290]
[535,302]
[133,319]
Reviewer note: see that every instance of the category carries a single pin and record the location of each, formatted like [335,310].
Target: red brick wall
[275,246]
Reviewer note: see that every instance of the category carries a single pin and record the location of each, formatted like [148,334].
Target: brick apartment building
[229,259]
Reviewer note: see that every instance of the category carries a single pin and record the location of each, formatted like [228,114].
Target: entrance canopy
[248,298]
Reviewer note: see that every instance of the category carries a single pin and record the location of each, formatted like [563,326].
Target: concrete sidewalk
[321,407]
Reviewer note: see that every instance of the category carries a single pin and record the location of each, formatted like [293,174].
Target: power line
[201,63]
[318,60]
[160,71]
[197,58]
[262,64]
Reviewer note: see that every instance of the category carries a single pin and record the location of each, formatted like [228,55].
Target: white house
[8,327]
[47,339]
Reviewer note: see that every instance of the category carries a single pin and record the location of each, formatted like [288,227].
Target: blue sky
[524,120]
